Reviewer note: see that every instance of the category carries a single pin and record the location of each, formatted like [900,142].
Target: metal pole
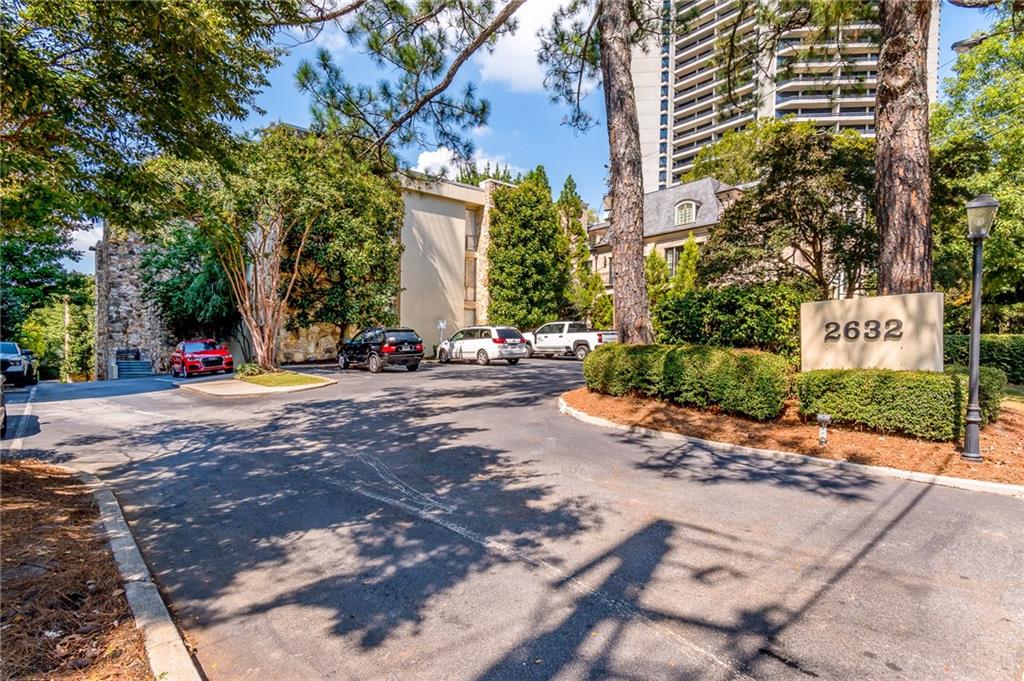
[972,431]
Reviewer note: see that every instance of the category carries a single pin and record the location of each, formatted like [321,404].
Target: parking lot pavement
[450,524]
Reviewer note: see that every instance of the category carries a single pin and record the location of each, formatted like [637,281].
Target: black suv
[377,347]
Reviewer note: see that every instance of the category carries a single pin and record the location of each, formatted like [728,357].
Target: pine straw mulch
[63,614]
[1002,442]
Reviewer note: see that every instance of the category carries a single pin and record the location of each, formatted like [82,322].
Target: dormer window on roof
[686,212]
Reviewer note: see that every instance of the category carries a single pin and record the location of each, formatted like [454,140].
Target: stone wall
[124,319]
[316,342]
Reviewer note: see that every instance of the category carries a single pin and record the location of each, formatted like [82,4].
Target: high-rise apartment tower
[682,104]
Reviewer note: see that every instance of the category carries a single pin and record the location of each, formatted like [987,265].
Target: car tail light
[387,348]
[600,338]
[499,340]
[419,347]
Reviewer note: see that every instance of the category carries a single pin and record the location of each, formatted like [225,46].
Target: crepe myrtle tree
[258,213]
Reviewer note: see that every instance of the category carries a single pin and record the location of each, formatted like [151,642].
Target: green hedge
[763,316]
[744,382]
[926,404]
[1002,351]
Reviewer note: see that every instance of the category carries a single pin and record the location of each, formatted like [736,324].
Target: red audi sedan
[201,356]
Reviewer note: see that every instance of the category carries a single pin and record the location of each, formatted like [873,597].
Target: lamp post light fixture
[823,421]
[981,213]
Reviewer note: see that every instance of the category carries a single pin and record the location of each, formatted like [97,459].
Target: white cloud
[481,131]
[514,59]
[433,162]
[442,159]
[82,240]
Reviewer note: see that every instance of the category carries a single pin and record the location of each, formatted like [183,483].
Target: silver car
[482,344]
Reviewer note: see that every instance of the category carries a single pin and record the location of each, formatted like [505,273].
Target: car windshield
[199,347]
[509,333]
[402,336]
[9,348]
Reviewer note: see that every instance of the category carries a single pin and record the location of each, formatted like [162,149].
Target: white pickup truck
[566,338]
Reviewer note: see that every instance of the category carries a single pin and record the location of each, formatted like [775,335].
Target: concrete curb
[1016,491]
[255,391]
[169,659]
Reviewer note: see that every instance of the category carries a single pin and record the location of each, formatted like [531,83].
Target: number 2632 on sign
[872,329]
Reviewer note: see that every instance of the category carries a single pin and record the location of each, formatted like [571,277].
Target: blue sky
[525,127]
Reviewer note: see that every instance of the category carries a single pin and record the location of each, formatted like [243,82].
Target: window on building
[663,162]
[664,77]
[472,230]
[663,148]
[672,258]
[662,175]
[664,134]
[470,279]
[664,105]
[686,212]
[664,119]
[468,317]
[664,90]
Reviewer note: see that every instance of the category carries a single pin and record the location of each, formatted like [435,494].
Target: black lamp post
[981,212]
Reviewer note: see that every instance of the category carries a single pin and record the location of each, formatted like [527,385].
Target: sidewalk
[233,387]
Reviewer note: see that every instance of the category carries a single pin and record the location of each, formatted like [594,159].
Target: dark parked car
[377,347]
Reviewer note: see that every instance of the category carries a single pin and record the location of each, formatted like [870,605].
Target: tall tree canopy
[528,255]
[183,277]
[807,217]
[978,147]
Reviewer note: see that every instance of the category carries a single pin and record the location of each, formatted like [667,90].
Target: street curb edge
[1004,489]
[169,659]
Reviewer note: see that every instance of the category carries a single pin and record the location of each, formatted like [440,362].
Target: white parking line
[22,420]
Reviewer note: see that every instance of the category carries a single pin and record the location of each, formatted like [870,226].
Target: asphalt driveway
[450,524]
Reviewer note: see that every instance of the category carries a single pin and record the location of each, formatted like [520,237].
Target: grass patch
[283,379]
[1015,392]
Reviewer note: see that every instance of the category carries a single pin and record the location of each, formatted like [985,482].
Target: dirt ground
[1002,442]
[64,615]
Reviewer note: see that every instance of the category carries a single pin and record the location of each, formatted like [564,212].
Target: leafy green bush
[926,404]
[737,381]
[1002,351]
[249,369]
[763,316]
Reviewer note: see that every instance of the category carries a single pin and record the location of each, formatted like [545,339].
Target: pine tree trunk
[632,313]
[903,181]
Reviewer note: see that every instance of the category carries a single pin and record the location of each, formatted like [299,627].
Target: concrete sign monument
[883,332]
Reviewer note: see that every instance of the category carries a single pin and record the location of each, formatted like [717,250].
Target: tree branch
[322,17]
[499,20]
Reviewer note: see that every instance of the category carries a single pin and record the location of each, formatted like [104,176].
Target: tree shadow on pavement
[694,635]
[416,507]
[690,461]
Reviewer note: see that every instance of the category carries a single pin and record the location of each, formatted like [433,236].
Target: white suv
[481,344]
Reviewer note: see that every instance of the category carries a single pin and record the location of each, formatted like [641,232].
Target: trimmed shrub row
[762,316]
[1002,351]
[745,382]
[926,404]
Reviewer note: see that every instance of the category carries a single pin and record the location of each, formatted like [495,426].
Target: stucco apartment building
[443,278]
[671,216]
